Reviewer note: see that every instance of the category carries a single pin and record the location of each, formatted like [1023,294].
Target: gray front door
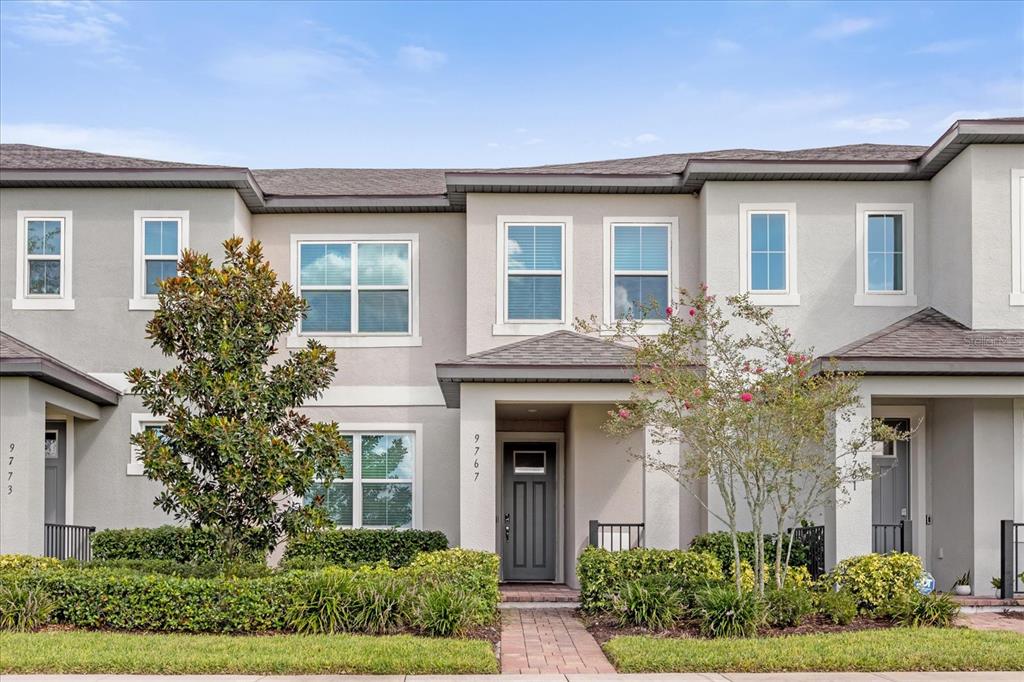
[55,454]
[528,522]
[890,495]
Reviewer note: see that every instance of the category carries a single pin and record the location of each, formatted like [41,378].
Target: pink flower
[693,311]
[759,370]
[697,393]
[636,378]
[623,413]
[668,311]
[803,358]
[746,397]
[790,359]
[687,404]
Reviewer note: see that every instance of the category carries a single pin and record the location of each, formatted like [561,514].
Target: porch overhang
[451,375]
[18,359]
[931,367]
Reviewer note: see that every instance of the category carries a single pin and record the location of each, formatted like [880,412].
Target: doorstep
[551,594]
[973,604]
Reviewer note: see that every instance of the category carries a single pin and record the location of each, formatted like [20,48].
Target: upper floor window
[768,253]
[143,422]
[377,488]
[534,270]
[1017,237]
[885,273]
[356,287]
[641,278]
[43,269]
[160,238]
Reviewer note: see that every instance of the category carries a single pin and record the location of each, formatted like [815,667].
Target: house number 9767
[476,457]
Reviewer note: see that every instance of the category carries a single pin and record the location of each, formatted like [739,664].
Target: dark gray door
[55,455]
[528,522]
[890,495]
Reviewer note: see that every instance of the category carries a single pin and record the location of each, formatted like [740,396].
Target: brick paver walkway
[536,641]
[992,621]
[538,592]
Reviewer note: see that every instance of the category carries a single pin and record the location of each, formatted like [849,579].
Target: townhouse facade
[471,404]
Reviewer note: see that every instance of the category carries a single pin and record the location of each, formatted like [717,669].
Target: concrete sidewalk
[667,677]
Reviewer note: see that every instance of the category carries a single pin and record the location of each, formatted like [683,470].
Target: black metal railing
[63,541]
[616,536]
[890,537]
[1011,558]
[813,540]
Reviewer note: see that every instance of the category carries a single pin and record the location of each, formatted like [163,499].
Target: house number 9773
[476,457]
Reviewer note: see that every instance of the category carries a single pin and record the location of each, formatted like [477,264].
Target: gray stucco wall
[951,246]
[993,482]
[950,461]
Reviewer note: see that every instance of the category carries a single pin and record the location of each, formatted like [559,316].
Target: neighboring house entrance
[55,454]
[890,495]
[529,503]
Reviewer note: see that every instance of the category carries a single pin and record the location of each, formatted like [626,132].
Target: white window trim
[789,295]
[361,339]
[502,326]
[140,420]
[863,297]
[647,326]
[370,429]
[22,299]
[1016,237]
[140,300]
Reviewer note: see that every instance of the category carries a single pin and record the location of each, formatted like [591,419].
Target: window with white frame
[141,423]
[768,253]
[534,268]
[1017,237]
[885,273]
[160,238]
[356,287]
[377,489]
[641,274]
[43,270]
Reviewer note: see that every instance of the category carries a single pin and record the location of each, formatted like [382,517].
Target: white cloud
[945,47]
[873,124]
[724,45]
[146,143]
[420,58]
[87,26]
[969,114]
[287,68]
[642,138]
[842,28]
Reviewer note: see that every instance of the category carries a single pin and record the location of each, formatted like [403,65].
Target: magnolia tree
[235,457]
[753,417]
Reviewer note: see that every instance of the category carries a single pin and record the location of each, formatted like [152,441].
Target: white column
[661,497]
[477,463]
[848,522]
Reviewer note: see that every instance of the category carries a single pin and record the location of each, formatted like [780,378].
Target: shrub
[471,571]
[719,543]
[23,607]
[378,601]
[25,562]
[875,580]
[722,612]
[920,610]
[603,573]
[322,604]
[173,543]
[653,602]
[169,567]
[787,607]
[443,610]
[355,546]
[839,606]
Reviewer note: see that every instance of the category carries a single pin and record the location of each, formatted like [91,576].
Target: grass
[893,649]
[114,652]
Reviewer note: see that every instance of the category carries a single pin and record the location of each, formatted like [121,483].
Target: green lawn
[114,652]
[866,650]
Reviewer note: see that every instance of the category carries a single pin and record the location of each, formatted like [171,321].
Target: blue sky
[496,84]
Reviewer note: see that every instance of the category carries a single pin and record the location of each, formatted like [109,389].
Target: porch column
[477,469]
[848,519]
[661,497]
[22,468]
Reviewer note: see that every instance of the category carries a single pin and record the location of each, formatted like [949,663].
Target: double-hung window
[885,268]
[534,273]
[377,488]
[641,278]
[356,287]
[768,253]
[160,238]
[140,423]
[43,269]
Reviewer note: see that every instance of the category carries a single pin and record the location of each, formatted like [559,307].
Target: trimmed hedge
[876,580]
[602,573]
[719,543]
[170,543]
[348,547]
[122,598]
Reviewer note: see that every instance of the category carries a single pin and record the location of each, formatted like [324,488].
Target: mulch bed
[1016,615]
[603,627]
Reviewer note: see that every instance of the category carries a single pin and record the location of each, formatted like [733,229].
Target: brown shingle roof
[351,181]
[33,157]
[18,358]
[561,348]
[930,335]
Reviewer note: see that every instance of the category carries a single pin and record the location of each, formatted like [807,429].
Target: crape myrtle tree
[753,416]
[235,457]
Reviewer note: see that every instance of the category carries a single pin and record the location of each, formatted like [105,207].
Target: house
[472,405]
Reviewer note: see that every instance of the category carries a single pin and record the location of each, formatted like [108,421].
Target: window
[160,237]
[534,270]
[640,261]
[885,267]
[1017,237]
[768,253]
[356,287]
[43,269]
[140,423]
[377,490]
